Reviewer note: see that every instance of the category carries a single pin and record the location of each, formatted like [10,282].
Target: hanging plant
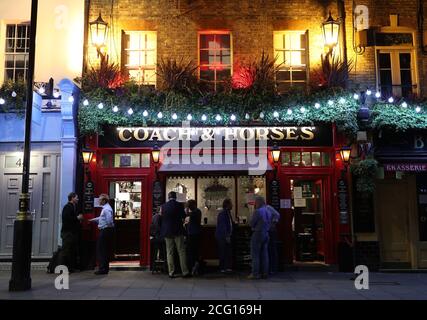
[13,96]
[364,172]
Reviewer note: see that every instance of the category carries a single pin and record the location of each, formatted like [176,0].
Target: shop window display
[183,186]
[211,193]
[248,188]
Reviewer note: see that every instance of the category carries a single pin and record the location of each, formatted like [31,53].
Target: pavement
[142,285]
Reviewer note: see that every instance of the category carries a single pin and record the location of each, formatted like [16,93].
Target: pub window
[140,56]
[291,52]
[185,187]
[215,58]
[306,159]
[128,160]
[396,73]
[211,192]
[17,51]
[105,162]
[248,187]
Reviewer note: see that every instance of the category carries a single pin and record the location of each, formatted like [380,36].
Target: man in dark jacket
[223,232]
[173,215]
[70,232]
[158,249]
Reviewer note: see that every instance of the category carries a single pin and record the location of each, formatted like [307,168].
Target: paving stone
[290,286]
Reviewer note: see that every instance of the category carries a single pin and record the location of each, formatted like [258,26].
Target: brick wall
[251,23]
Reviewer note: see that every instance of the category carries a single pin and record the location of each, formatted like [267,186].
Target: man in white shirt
[106,231]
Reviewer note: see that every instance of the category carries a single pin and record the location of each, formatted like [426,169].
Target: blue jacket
[173,215]
[224,225]
[261,221]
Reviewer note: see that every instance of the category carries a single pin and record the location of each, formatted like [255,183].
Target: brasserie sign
[280,135]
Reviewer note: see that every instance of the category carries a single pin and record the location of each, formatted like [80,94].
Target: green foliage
[332,73]
[107,75]
[177,76]
[398,118]
[13,104]
[91,118]
[364,172]
[257,77]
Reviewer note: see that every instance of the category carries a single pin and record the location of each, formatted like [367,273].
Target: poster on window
[300,203]
[297,192]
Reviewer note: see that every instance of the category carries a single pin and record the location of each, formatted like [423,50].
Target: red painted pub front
[307,182]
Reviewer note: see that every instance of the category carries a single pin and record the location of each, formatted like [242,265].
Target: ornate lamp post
[345,153]
[331,31]
[155,155]
[87,156]
[23,225]
[98,33]
[275,155]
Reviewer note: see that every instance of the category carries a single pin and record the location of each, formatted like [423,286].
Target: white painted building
[59,55]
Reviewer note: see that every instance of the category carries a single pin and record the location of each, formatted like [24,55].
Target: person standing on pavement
[70,232]
[272,242]
[223,232]
[173,215]
[158,249]
[260,223]
[106,232]
[193,223]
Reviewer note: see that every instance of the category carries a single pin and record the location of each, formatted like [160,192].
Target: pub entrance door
[129,200]
[308,230]
[310,222]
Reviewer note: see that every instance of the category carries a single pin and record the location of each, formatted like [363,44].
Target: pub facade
[297,169]
[226,140]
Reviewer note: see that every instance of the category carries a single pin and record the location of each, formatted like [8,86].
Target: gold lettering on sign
[136,134]
[229,134]
[307,133]
[156,134]
[290,133]
[167,137]
[262,134]
[276,134]
[122,134]
[247,134]
[184,134]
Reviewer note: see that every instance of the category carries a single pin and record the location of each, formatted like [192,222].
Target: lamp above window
[98,32]
[331,30]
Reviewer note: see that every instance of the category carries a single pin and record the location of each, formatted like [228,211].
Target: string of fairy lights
[275,114]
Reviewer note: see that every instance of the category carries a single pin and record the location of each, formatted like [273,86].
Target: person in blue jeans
[260,224]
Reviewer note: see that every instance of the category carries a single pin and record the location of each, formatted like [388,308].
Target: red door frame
[102,177]
[329,215]
[104,181]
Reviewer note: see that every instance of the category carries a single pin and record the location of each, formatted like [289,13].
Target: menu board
[363,205]
[275,194]
[343,201]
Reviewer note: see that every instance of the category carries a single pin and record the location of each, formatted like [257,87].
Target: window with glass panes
[396,73]
[140,55]
[17,51]
[299,158]
[215,58]
[290,49]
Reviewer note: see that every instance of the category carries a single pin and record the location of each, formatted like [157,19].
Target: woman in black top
[193,225]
